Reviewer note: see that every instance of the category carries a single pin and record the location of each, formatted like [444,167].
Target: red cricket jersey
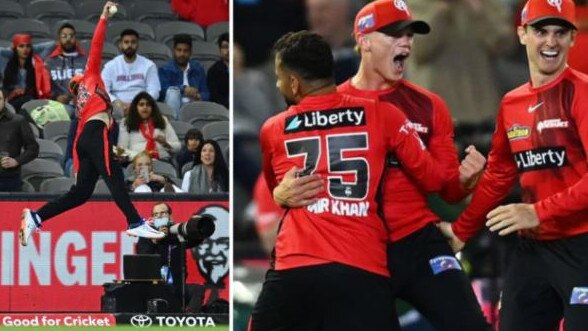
[345,139]
[541,135]
[92,97]
[404,201]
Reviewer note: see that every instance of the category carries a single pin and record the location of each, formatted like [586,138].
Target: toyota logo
[141,321]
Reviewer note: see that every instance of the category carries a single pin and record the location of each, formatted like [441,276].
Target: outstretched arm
[95,57]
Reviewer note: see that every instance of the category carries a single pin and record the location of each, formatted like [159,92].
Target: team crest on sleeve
[443,263]
[518,132]
[579,296]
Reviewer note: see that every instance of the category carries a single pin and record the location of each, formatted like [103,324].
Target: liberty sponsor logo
[327,119]
[579,296]
[418,127]
[555,123]
[518,132]
[366,22]
[541,158]
[443,263]
[534,107]
[339,207]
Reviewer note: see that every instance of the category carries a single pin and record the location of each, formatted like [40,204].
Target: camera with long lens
[195,230]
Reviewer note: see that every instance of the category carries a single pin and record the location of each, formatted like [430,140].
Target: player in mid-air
[541,137]
[92,150]
[329,270]
[423,270]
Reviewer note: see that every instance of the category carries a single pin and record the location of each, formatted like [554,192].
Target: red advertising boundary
[64,266]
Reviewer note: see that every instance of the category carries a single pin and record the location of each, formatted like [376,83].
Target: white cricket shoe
[145,231]
[28,224]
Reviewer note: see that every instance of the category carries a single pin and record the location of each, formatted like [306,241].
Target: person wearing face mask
[211,174]
[129,73]
[145,129]
[92,150]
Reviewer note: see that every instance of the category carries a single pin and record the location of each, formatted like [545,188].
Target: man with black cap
[541,137]
[423,270]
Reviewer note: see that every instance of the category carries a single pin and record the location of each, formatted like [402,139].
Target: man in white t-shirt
[130,73]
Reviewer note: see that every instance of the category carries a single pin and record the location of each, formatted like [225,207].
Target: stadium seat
[226,155]
[40,169]
[153,13]
[10,10]
[205,51]
[35,130]
[215,30]
[187,167]
[206,64]
[218,131]
[109,51]
[5,44]
[166,110]
[84,29]
[165,31]
[10,108]
[49,150]
[37,29]
[101,187]
[199,113]
[27,187]
[155,51]
[164,168]
[30,105]
[115,28]
[50,11]
[57,185]
[57,132]
[90,10]
[181,128]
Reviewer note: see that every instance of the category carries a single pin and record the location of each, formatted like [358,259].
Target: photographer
[172,259]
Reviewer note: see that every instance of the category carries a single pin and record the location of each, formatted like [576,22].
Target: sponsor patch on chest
[325,119]
[541,158]
[518,132]
[555,123]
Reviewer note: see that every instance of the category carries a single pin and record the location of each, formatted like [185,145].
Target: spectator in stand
[333,20]
[129,73]
[182,80]
[25,76]
[64,60]
[202,12]
[211,174]
[218,74]
[17,147]
[144,180]
[191,148]
[145,129]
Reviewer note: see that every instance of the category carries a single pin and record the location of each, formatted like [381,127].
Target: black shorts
[426,274]
[329,297]
[545,282]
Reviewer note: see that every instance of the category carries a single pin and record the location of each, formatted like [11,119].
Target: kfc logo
[212,255]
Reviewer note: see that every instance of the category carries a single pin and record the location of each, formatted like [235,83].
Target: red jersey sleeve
[95,57]
[442,148]
[495,184]
[575,198]
[265,136]
[410,150]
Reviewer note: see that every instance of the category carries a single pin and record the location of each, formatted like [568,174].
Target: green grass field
[121,327]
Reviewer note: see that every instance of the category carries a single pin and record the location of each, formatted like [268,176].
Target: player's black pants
[329,297]
[545,282]
[93,145]
[425,273]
